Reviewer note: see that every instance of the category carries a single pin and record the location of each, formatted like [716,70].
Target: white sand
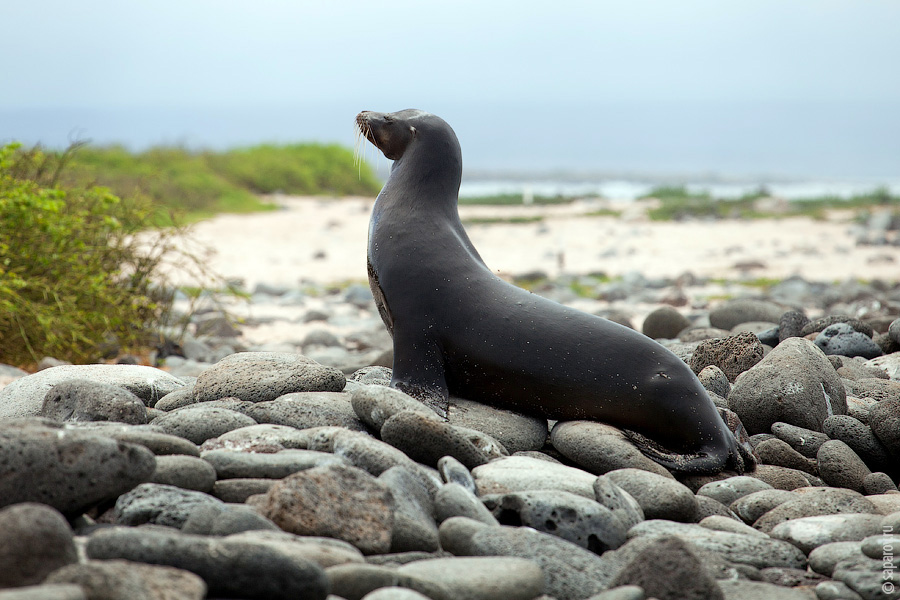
[324,240]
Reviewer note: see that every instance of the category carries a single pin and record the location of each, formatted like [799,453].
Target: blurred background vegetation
[76,276]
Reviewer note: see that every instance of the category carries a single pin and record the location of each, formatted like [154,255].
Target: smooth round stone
[863,575]
[238,490]
[336,501]
[878,483]
[427,440]
[840,466]
[521,473]
[24,397]
[754,505]
[664,322]
[824,558]
[813,502]
[325,552]
[183,396]
[482,578]
[224,519]
[752,550]
[132,580]
[572,572]
[621,592]
[394,593]
[676,572]
[414,527]
[264,434]
[264,376]
[86,400]
[187,472]
[453,471]
[517,432]
[47,591]
[873,388]
[375,404]
[793,384]
[600,448]
[791,324]
[621,503]
[805,441]
[568,516]
[743,310]
[35,540]
[741,589]
[835,590]
[708,507]
[370,454]
[822,323]
[489,446]
[252,465]
[230,568]
[779,453]
[861,440]
[880,544]
[200,423]
[714,380]
[160,505]
[808,533]
[304,410]
[694,335]
[783,478]
[885,504]
[884,420]
[722,523]
[659,497]
[455,500]
[728,490]
[67,469]
[160,444]
[361,580]
[733,355]
[844,340]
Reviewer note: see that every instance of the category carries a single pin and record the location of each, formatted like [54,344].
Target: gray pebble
[86,400]
[304,410]
[659,497]
[132,580]
[813,502]
[47,591]
[864,576]
[484,577]
[824,558]
[521,473]
[517,432]
[67,469]
[414,525]
[808,533]
[264,434]
[791,324]
[453,471]
[708,507]
[664,322]
[238,490]
[426,440]
[742,310]
[822,323]
[740,589]
[884,420]
[183,396]
[600,448]
[714,380]
[454,500]
[805,441]
[835,590]
[752,550]
[844,340]
[24,397]
[352,581]
[860,438]
[251,465]
[264,376]
[375,404]
[780,453]
[230,568]
[840,466]
[187,472]
[35,540]
[225,519]
[575,518]
[200,423]
[878,483]
[721,523]
[159,505]
[621,503]
[754,505]
[728,490]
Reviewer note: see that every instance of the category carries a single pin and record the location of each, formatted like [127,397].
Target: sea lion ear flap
[413,131]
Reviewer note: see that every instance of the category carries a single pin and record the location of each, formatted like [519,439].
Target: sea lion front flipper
[419,372]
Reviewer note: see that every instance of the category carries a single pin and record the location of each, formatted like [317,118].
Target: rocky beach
[261,455]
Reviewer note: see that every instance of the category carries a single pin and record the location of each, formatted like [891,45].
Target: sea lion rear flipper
[420,373]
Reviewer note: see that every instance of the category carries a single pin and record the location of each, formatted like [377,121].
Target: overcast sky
[805,86]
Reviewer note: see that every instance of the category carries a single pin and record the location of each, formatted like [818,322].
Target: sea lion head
[394,133]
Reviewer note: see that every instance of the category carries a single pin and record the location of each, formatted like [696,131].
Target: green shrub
[72,272]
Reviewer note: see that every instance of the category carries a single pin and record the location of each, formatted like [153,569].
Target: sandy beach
[324,240]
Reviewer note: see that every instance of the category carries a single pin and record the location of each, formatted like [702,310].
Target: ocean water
[617,150]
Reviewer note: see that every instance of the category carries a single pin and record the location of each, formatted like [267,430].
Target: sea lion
[459,329]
